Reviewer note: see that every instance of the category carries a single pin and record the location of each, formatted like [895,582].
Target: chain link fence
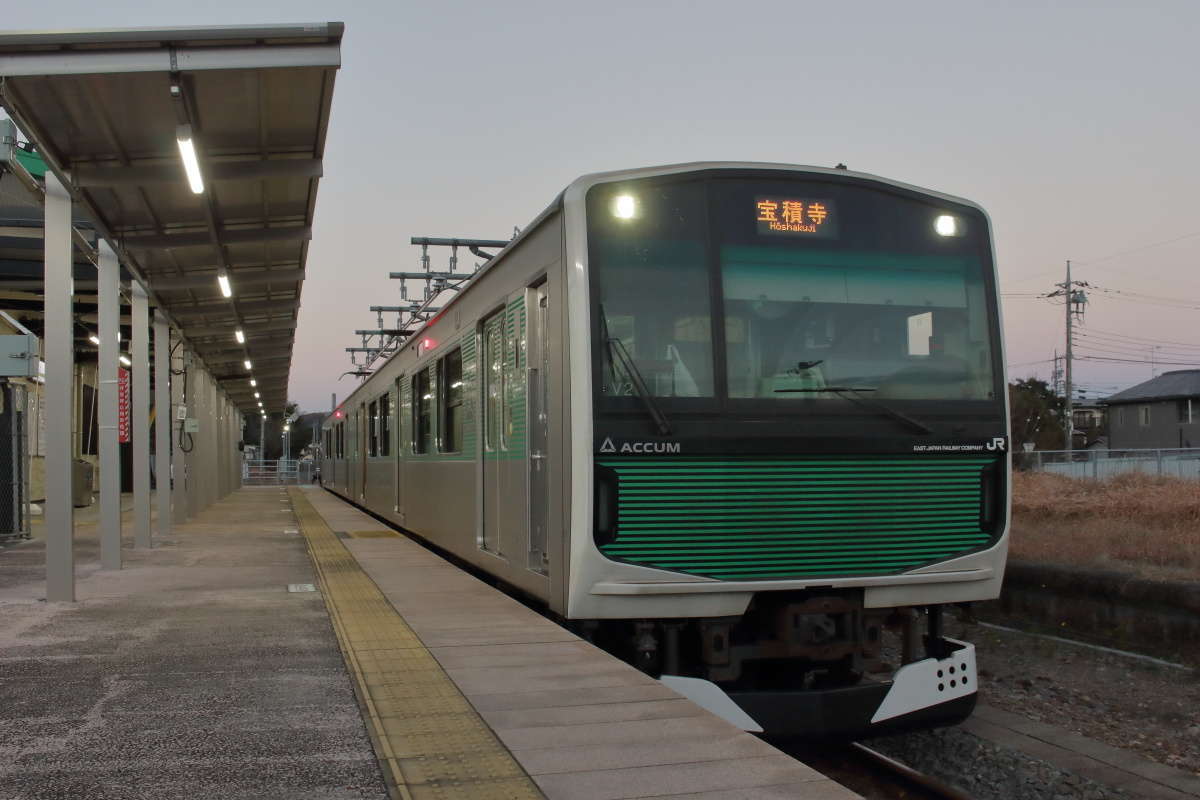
[1177,463]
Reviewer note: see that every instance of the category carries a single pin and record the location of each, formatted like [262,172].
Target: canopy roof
[104,108]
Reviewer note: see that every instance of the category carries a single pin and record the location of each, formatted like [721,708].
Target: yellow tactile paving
[430,741]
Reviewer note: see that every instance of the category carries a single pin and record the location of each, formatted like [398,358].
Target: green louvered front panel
[773,518]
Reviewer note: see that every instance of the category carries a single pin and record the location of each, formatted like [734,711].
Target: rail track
[872,774]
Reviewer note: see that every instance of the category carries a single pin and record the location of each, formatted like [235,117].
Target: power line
[1133,337]
[1195,363]
[1109,257]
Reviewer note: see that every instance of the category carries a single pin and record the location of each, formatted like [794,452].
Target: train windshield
[782,291]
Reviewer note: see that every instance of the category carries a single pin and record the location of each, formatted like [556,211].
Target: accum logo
[607,446]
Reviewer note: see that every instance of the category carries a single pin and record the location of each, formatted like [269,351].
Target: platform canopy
[108,110]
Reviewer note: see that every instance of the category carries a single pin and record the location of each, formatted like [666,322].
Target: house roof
[1168,386]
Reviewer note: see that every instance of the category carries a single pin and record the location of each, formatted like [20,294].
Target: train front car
[797,453]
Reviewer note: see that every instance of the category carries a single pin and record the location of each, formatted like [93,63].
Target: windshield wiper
[852,393]
[616,348]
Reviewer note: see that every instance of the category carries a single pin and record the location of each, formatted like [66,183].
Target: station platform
[208,666]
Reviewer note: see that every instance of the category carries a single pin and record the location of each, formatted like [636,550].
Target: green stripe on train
[775,518]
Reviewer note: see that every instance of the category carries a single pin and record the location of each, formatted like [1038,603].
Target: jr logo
[996,444]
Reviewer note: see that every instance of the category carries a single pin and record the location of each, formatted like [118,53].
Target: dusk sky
[1074,124]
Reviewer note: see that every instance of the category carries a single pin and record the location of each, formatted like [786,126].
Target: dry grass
[1143,524]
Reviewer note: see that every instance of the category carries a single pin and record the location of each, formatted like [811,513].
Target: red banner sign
[123,406]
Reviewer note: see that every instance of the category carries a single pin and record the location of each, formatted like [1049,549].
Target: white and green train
[741,424]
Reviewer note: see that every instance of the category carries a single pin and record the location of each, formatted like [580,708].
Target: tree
[1036,413]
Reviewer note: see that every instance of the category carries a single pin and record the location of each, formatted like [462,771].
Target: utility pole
[1070,422]
[1074,301]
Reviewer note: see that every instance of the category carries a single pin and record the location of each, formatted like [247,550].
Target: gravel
[986,771]
[1123,702]
[1120,701]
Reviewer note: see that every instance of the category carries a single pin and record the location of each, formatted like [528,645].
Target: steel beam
[241,278]
[162,424]
[59,387]
[168,172]
[140,355]
[274,327]
[166,60]
[223,309]
[110,449]
[293,233]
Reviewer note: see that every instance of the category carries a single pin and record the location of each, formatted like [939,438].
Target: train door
[538,372]
[398,427]
[492,403]
[363,434]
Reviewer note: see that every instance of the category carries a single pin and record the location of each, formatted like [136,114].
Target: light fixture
[287,427]
[223,282]
[240,336]
[247,363]
[94,339]
[125,361]
[256,395]
[187,151]
[624,206]
[946,225]
[253,382]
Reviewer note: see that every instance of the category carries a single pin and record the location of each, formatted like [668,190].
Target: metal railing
[1176,462]
[284,471]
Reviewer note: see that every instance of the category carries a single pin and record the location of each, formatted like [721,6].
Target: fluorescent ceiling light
[253,382]
[247,363]
[94,339]
[256,395]
[126,361]
[223,282]
[187,151]
[239,335]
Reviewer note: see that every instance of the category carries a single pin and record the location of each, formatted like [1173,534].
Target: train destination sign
[796,216]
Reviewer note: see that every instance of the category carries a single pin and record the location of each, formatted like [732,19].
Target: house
[1089,423]
[1163,412]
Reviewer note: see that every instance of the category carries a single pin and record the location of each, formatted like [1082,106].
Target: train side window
[385,424]
[450,395]
[372,429]
[422,408]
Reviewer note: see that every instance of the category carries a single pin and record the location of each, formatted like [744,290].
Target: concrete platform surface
[193,672]
[583,724]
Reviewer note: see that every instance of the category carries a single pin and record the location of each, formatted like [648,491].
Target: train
[744,425]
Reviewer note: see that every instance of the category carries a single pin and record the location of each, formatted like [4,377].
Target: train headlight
[624,206]
[947,225]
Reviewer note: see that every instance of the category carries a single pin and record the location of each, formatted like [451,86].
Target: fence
[285,471]
[1177,463]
